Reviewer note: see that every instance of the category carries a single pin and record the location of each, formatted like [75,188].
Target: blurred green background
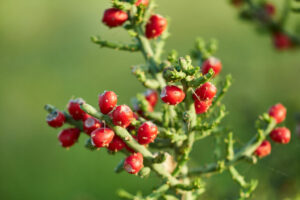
[46,57]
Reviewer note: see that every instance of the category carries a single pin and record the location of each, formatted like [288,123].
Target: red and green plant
[157,138]
[270,20]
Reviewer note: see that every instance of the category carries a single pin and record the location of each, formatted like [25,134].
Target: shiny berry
[202,106]
[143,2]
[101,137]
[107,101]
[281,135]
[56,119]
[152,97]
[212,63]
[278,112]
[116,144]
[114,17]
[122,116]
[172,95]
[264,149]
[270,9]
[155,26]
[147,133]
[134,163]
[205,92]
[281,41]
[90,124]
[75,111]
[68,137]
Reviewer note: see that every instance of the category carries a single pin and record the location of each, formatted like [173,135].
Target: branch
[190,123]
[158,192]
[270,23]
[116,46]
[243,153]
[247,188]
[207,130]
[132,143]
[226,85]
[202,79]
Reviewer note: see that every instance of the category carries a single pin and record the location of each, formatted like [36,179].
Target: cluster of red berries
[281,41]
[203,95]
[280,135]
[102,135]
[156,25]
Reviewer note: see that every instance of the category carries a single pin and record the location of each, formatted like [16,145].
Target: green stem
[226,85]
[116,46]
[158,192]
[202,79]
[190,123]
[237,177]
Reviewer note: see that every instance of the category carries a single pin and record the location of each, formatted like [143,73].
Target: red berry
[152,97]
[278,112]
[122,116]
[101,137]
[202,106]
[134,163]
[172,95]
[281,41]
[114,17]
[68,137]
[205,92]
[143,2]
[90,124]
[107,101]
[116,144]
[56,119]
[264,149]
[155,26]
[147,133]
[237,3]
[281,135]
[75,111]
[85,116]
[269,9]
[212,63]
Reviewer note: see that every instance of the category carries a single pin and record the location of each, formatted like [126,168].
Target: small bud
[172,75]
[173,56]
[144,172]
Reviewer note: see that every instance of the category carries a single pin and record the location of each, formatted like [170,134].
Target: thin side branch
[116,46]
